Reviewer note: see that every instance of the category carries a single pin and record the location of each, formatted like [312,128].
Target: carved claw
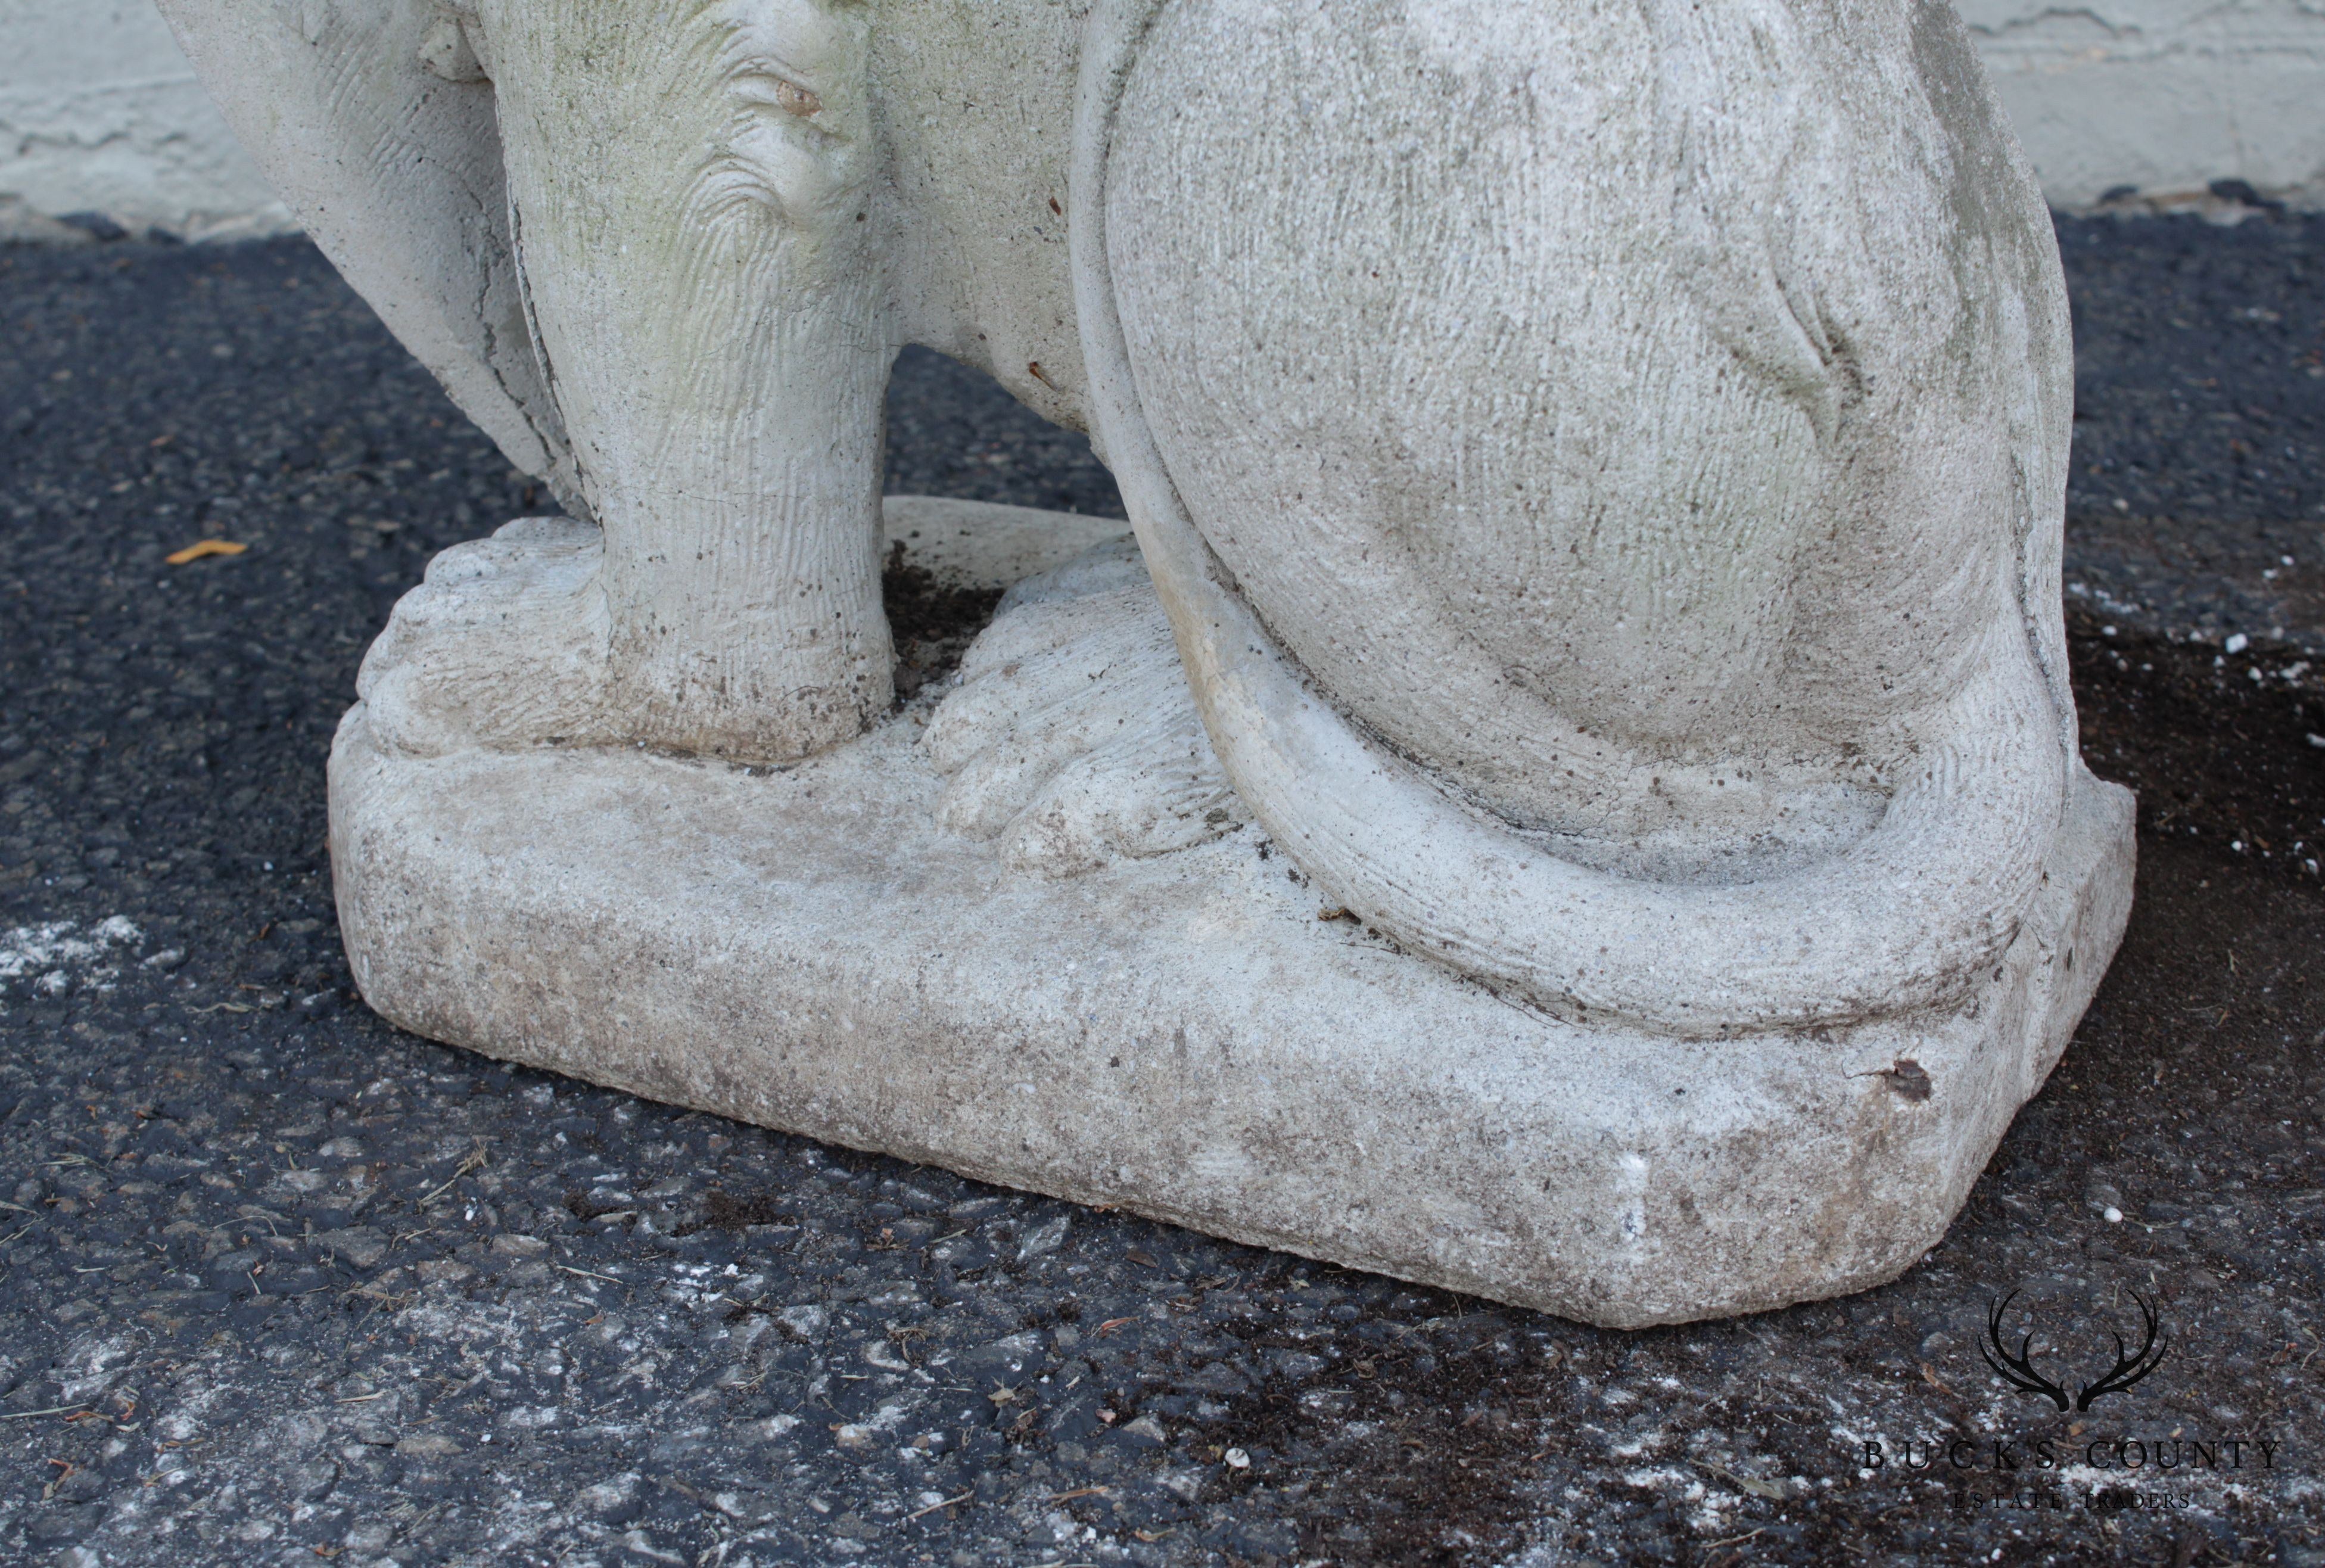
[503,645]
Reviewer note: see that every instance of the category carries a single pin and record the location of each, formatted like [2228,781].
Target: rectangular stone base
[1180,1037]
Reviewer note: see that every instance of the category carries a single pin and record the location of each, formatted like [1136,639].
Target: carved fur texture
[1599,465]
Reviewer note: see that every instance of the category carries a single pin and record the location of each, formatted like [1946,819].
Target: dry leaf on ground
[201,548]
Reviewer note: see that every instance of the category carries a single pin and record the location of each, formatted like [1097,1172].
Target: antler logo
[2130,1367]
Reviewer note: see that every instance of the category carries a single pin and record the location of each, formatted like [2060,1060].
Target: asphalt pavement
[279,1283]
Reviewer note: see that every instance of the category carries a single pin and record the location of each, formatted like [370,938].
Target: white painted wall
[98,112]
[2165,95]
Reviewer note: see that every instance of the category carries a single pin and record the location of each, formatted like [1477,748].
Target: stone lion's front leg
[686,192]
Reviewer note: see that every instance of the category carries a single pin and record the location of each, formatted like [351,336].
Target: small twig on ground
[1758,1489]
[932,1508]
[474,1162]
[589,1274]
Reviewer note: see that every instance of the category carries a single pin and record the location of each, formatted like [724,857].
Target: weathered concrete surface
[1181,1035]
[1735,768]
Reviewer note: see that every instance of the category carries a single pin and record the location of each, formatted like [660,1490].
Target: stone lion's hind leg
[1072,738]
[1915,913]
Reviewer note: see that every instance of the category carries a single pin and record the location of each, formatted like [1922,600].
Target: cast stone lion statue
[1599,465]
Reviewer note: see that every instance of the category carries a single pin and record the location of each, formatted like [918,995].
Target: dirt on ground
[2225,750]
[932,621]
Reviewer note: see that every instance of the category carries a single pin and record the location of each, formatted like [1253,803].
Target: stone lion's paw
[502,645]
[1072,738]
